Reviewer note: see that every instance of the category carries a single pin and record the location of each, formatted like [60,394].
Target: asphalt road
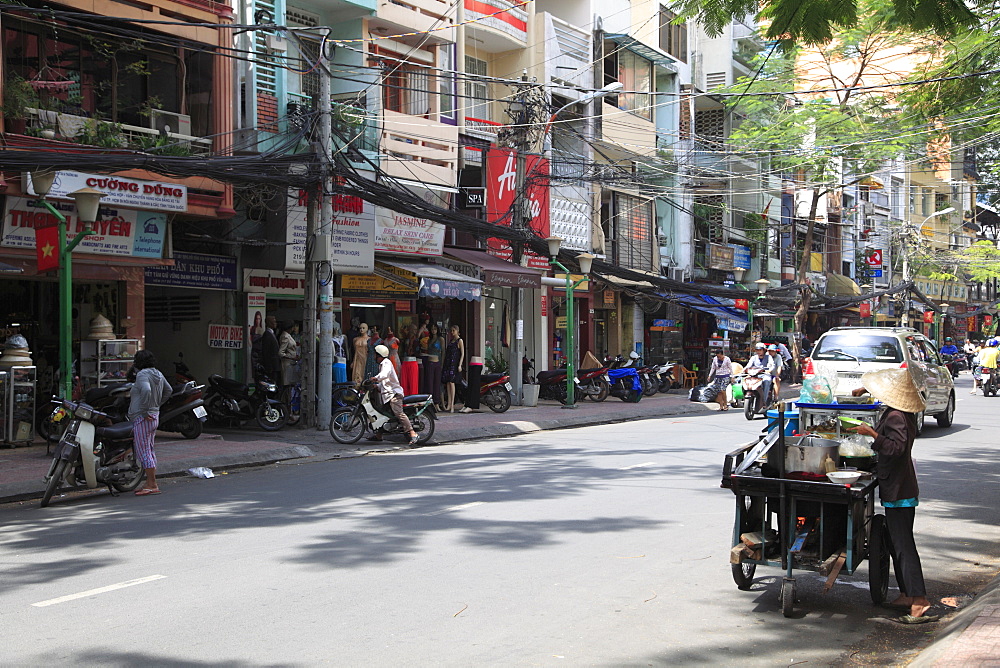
[594,546]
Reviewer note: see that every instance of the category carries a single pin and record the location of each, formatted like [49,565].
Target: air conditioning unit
[179,124]
[677,274]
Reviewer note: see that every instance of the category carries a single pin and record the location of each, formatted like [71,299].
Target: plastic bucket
[791,421]
[530,394]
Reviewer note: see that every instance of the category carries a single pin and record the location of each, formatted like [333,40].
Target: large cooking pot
[807,453]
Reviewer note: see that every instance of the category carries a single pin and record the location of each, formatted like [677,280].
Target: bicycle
[291,397]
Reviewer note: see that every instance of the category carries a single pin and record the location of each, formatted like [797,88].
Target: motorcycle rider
[949,347]
[779,364]
[391,392]
[766,362]
[988,358]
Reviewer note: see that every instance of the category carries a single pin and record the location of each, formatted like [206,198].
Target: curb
[942,646]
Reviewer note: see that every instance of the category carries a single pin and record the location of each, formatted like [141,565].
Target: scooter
[593,384]
[753,393]
[229,401]
[184,410]
[93,451]
[667,380]
[349,424]
[990,381]
[625,384]
[494,391]
[953,363]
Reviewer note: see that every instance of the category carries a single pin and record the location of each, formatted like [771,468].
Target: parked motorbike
[552,385]
[182,374]
[667,380]
[230,401]
[593,384]
[494,391]
[92,451]
[753,393]
[625,384]
[349,424]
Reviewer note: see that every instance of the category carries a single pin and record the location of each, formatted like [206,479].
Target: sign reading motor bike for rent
[225,336]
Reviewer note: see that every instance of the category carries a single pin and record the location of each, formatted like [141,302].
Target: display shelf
[107,361]
[17,389]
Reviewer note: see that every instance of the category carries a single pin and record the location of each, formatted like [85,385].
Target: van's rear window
[850,346]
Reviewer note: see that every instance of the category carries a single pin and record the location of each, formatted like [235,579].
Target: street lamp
[586,261]
[944,306]
[87,204]
[905,320]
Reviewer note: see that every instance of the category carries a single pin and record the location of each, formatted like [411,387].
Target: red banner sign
[865,309]
[928,316]
[742,304]
[970,324]
[501,186]
[987,321]
[47,247]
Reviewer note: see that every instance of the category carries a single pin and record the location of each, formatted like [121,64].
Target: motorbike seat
[227,384]
[490,377]
[416,398]
[551,375]
[586,371]
[116,432]
[95,394]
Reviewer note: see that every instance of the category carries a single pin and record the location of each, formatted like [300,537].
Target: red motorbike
[494,391]
[593,383]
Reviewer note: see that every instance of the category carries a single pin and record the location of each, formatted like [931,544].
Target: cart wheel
[787,596]
[879,549]
[743,574]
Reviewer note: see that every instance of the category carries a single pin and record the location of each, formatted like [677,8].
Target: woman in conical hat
[897,481]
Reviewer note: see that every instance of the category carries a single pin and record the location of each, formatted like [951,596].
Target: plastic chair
[690,378]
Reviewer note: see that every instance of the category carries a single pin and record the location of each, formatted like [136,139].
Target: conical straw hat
[895,388]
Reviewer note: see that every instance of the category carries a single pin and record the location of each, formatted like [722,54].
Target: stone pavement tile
[978,644]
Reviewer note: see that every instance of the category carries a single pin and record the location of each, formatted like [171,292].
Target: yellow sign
[574,277]
[560,322]
[376,287]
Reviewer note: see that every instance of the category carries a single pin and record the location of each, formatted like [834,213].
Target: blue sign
[194,270]
[741,256]
[876,273]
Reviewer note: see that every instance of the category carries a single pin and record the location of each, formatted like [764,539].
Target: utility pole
[308,401]
[324,375]
[519,142]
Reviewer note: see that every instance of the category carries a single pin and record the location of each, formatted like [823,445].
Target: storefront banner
[730,324]
[441,289]
[376,287]
[195,270]
[970,324]
[225,336]
[397,232]
[120,191]
[272,282]
[741,256]
[120,232]
[464,268]
[501,177]
[721,257]
[352,233]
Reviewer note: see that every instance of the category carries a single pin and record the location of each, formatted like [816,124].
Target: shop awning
[9,269]
[655,56]
[725,318]
[439,282]
[498,272]
[616,282]
[838,284]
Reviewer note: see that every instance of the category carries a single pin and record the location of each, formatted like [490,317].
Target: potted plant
[18,98]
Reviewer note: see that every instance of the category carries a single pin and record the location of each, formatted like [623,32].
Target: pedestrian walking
[149,391]
[897,481]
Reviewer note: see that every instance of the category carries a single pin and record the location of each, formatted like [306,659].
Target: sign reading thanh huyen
[120,191]
[121,232]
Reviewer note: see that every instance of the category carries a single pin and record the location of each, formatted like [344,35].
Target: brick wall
[267,112]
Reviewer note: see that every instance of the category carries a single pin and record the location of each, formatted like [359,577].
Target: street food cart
[797,519]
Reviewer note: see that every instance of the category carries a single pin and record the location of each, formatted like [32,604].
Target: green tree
[819,21]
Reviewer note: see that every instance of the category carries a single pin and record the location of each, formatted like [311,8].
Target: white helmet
[760,346]
[381,350]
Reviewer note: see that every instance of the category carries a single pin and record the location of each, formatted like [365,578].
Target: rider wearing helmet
[391,392]
[949,347]
[762,360]
[988,360]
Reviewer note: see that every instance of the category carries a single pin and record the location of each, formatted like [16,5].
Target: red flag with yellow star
[47,247]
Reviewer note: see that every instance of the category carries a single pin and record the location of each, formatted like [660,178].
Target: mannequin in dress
[339,341]
[451,373]
[392,343]
[360,354]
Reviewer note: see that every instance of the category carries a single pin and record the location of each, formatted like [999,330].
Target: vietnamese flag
[47,247]
[865,310]
[742,304]
[929,316]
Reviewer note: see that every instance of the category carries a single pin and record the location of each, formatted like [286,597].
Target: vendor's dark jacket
[897,479]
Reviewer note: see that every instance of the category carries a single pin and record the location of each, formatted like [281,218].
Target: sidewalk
[22,469]
[970,638]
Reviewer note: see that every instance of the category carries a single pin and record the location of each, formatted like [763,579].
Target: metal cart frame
[758,497]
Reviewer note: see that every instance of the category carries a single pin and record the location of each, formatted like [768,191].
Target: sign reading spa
[117,231]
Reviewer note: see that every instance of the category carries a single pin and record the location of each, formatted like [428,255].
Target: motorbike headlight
[84,412]
[268,387]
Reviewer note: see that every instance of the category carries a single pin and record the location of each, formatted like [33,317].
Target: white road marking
[638,466]
[459,507]
[99,590]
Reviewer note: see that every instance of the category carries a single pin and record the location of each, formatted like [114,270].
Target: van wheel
[920,423]
[945,419]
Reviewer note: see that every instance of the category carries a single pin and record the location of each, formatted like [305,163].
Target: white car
[843,354]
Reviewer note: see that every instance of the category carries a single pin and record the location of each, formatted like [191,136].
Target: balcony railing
[82,130]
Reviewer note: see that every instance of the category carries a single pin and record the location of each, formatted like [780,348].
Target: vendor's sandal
[922,619]
[414,439]
[146,491]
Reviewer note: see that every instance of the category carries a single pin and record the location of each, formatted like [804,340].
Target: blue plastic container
[791,421]
[339,372]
